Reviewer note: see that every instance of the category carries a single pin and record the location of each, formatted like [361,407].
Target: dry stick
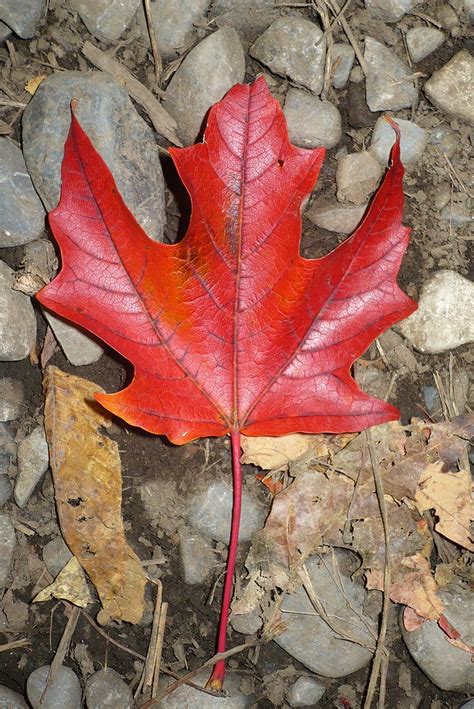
[12,104]
[62,647]
[137,654]
[153,41]
[146,679]
[380,650]
[14,645]
[320,7]
[212,661]
[349,34]
[159,649]
[162,121]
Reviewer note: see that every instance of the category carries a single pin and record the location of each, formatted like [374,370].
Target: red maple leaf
[231,330]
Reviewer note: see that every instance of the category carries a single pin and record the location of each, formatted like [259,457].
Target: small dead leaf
[271,453]
[33,84]
[70,585]
[88,489]
[310,512]
[449,495]
[412,585]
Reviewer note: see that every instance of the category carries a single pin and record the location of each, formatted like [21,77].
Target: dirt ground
[192,620]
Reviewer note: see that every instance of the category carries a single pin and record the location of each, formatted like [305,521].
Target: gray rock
[333,216]
[450,88]
[56,555]
[431,397]
[310,640]
[390,10]
[443,320]
[105,19]
[372,380]
[469,10]
[207,73]
[11,700]
[5,490]
[7,547]
[33,461]
[446,17]
[210,513]
[357,176]
[79,348]
[422,41]
[468,705]
[185,697]
[447,666]
[23,16]
[17,319]
[249,17]
[458,213]
[64,691]
[305,692]
[342,60]
[196,556]
[413,141]
[445,139]
[106,689]
[5,32]
[387,85]
[11,398]
[119,134]
[174,23]
[295,48]
[311,122]
[21,212]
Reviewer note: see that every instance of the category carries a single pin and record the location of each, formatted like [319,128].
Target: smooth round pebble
[468,705]
[11,700]
[106,689]
[64,691]
[305,692]
[311,122]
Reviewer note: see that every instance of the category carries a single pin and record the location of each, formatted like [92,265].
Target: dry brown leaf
[412,585]
[70,585]
[449,495]
[270,452]
[33,84]
[88,489]
[310,512]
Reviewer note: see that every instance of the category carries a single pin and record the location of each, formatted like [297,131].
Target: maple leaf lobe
[230,328]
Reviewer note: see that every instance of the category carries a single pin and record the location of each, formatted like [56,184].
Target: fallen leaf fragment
[69,585]
[449,495]
[310,512]
[33,84]
[88,490]
[270,452]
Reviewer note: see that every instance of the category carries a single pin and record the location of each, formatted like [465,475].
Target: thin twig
[62,647]
[185,679]
[162,121]
[110,639]
[159,649]
[380,650]
[12,104]
[320,7]
[154,42]
[349,34]
[6,647]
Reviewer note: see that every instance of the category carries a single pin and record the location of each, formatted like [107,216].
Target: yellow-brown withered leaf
[70,584]
[88,490]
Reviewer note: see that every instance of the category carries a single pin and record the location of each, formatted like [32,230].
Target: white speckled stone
[293,47]
[444,319]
